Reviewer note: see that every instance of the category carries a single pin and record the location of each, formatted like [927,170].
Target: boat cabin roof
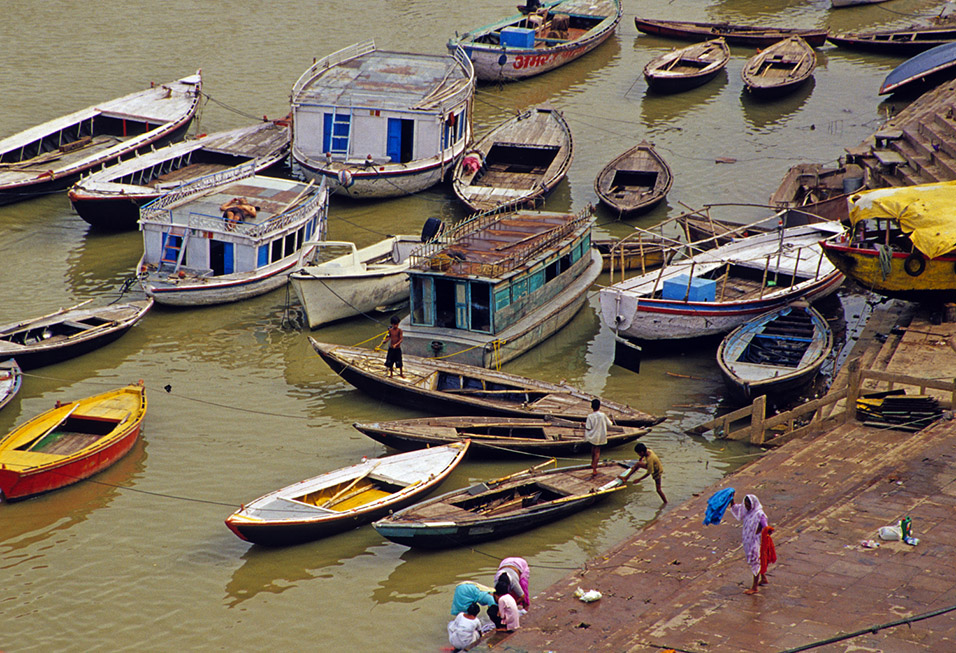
[271,196]
[493,244]
[384,80]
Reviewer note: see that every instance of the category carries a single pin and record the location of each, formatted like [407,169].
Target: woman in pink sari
[518,572]
[751,514]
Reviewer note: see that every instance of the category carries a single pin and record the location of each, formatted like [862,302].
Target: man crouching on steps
[394,337]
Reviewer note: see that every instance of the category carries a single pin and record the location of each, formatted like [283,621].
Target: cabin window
[446,303]
[502,298]
[298,238]
[335,136]
[481,307]
[422,301]
[290,244]
[401,140]
[453,130]
[221,257]
[276,250]
[263,256]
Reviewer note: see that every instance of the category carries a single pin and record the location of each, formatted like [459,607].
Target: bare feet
[764,581]
[752,590]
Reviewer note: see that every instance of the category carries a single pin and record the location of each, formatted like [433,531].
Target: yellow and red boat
[901,242]
[71,442]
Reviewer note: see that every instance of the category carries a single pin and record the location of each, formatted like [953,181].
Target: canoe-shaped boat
[638,251]
[922,71]
[779,69]
[53,155]
[840,4]
[499,508]
[495,436]
[907,41]
[688,67]
[440,386]
[344,498]
[201,248]
[534,42]
[775,354]
[10,381]
[898,245]
[635,181]
[717,290]
[70,442]
[749,35]
[361,281]
[518,162]
[68,332]
[111,198]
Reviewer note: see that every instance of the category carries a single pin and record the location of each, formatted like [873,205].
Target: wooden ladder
[179,250]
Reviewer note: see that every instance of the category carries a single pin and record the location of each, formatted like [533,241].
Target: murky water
[139,557]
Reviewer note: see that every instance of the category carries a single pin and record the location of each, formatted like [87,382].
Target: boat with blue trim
[918,73]
[229,236]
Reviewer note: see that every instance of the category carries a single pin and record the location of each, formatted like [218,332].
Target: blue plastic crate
[517,37]
[701,290]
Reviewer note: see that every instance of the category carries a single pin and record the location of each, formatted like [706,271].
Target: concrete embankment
[679,584]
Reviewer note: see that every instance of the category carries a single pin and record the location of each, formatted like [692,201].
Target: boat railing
[334,59]
[157,211]
[430,255]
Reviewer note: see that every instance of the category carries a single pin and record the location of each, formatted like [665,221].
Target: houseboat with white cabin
[499,284]
[376,123]
[229,236]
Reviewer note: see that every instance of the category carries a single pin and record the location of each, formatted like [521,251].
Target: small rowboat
[634,182]
[779,69]
[775,354]
[752,36]
[345,498]
[687,68]
[51,156]
[494,436]
[534,42]
[70,442]
[438,385]
[68,333]
[638,251]
[922,71]
[909,41]
[518,162]
[10,381]
[503,507]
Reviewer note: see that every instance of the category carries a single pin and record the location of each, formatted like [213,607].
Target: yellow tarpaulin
[926,213]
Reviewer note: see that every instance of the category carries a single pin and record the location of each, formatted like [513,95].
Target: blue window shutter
[263,256]
[228,265]
[394,142]
[327,134]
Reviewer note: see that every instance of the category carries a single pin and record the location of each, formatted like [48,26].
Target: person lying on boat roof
[238,209]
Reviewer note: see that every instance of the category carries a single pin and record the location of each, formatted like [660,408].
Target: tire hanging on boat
[914,265]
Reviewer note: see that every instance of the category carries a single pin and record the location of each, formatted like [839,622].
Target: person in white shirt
[464,631]
[595,432]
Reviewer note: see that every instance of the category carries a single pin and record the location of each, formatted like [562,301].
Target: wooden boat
[345,498]
[51,156]
[637,251]
[704,232]
[840,4]
[111,198]
[716,290]
[361,281]
[779,69]
[499,284]
[197,252]
[775,354]
[819,190]
[70,442]
[907,41]
[518,162]
[634,182]
[413,124]
[922,71]
[897,245]
[10,381]
[534,42]
[68,333]
[752,36]
[688,67]
[502,507]
[441,386]
[495,436]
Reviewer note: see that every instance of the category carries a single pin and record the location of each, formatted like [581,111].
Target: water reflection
[764,114]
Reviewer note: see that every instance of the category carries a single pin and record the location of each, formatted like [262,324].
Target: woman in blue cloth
[468,592]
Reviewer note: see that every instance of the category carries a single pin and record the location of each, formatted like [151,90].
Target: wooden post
[852,389]
[756,420]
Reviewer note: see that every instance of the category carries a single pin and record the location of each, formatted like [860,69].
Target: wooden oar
[297,197]
[552,461]
[40,437]
[348,487]
[43,317]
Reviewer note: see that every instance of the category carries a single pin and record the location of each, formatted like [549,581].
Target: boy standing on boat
[394,337]
[595,432]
